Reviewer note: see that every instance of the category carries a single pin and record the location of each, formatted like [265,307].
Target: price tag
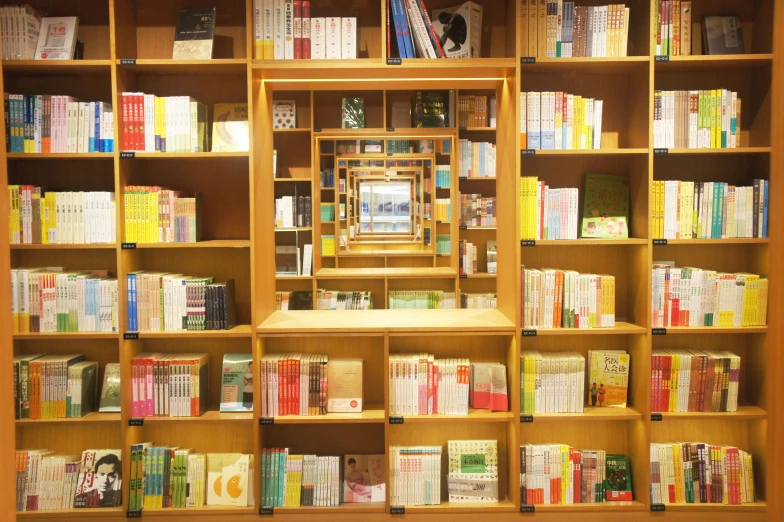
[659,331]
[528,242]
[128,61]
[527,60]
[661,151]
[656,417]
[394,61]
[127,155]
[527,508]
[463,276]
[133,513]
[397,510]
[659,242]
[266,510]
[662,59]
[130,336]
[129,246]
[528,152]
[135,422]
[529,333]
[266,421]
[526,417]
[657,507]
[395,419]
[390,129]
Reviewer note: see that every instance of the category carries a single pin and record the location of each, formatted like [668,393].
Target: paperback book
[237,382]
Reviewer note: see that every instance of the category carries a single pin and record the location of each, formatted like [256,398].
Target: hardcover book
[459,30]
[722,35]
[284,114]
[230,127]
[237,382]
[194,34]
[473,471]
[100,479]
[605,207]
[488,387]
[345,392]
[57,38]
[609,378]
[363,478]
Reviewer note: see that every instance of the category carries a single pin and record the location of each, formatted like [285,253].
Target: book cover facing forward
[194,34]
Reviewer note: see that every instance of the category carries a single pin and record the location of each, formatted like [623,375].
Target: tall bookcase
[128,47]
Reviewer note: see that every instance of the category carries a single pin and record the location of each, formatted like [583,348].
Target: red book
[429,27]
[297,29]
[306,29]
[139,125]
[126,128]
[576,474]
[389,36]
[282,386]
[665,384]
[295,386]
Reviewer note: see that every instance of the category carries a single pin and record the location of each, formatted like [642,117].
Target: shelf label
[127,155]
[659,242]
[527,60]
[317,129]
[439,255]
[397,510]
[657,507]
[656,417]
[662,59]
[136,422]
[390,129]
[127,61]
[529,333]
[526,417]
[528,152]
[133,513]
[129,246]
[527,508]
[395,419]
[659,331]
[462,177]
[463,227]
[266,421]
[528,242]
[394,61]
[266,510]
[390,153]
[131,336]
[661,151]
[463,276]
[462,129]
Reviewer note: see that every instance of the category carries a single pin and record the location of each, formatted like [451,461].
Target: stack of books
[469,300]
[421,299]
[343,300]
[552,382]
[299,480]
[558,29]
[293,384]
[38,216]
[707,119]
[560,121]
[163,123]
[161,215]
[166,302]
[51,300]
[414,475]
[295,211]
[546,213]
[44,124]
[54,386]
[699,473]
[476,211]
[180,384]
[567,299]
[477,159]
[710,210]
[694,380]
[699,297]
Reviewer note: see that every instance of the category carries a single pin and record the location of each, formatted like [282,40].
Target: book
[284,114]
[492,256]
[286,260]
[487,387]
[230,127]
[353,113]
[364,478]
[619,478]
[343,300]
[422,488]
[194,34]
[160,215]
[57,38]
[477,211]
[558,474]
[472,474]
[187,392]
[722,35]
[541,375]
[605,207]
[608,381]
[296,300]
[110,391]
[694,381]
[81,389]
[300,480]
[459,30]
[163,124]
[697,119]
[477,159]
[99,482]
[294,384]
[422,299]
[547,213]
[20,44]
[478,300]
[440,386]
[345,390]
[237,382]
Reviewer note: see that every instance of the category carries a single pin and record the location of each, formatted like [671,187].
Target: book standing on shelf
[415,475]
[343,300]
[694,380]
[169,385]
[300,480]
[547,214]
[421,299]
[704,119]
[230,127]
[344,390]
[284,114]
[473,471]
[477,159]
[305,376]
[722,35]
[608,378]
[237,382]
[364,478]
[194,34]
[161,215]
[605,207]
[540,388]
[20,44]
[56,36]
[561,121]
[110,392]
[482,300]
[163,124]
[100,479]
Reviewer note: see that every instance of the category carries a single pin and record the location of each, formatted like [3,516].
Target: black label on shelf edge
[526,60]
[394,61]
[529,333]
[439,255]
[127,61]
[127,155]
[463,276]
[463,227]
[397,510]
[266,510]
[390,153]
[528,242]
[128,246]
[136,422]
[659,331]
[526,417]
[659,242]
[130,336]
[527,508]
[661,151]
[395,419]
[317,129]
[528,152]
[656,417]
[390,129]
[657,507]
[133,513]
[462,129]
[662,58]
[266,421]
[461,177]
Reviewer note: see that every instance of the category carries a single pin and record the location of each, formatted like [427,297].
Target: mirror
[385,207]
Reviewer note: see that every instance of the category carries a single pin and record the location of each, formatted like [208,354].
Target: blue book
[534,140]
[400,23]
[407,36]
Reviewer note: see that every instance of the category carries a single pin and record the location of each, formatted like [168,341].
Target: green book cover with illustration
[605,207]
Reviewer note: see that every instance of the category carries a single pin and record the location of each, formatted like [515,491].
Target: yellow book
[674,374]
[541,29]
[13,218]
[677,457]
[577,123]
[164,146]
[566,478]
[158,119]
[154,224]
[762,302]
[714,98]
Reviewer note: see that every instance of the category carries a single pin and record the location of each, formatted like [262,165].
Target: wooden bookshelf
[239,198]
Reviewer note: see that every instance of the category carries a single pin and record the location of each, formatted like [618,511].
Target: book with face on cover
[363,478]
[608,378]
[194,34]
[473,471]
[100,479]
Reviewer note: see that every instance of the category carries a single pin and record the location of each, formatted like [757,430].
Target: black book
[194,34]
[722,35]
[228,318]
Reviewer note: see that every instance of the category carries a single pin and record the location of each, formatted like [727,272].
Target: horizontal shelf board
[472,178]
[738,150]
[759,506]
[744,412]
[296,180]
[479,228]
[588,152]
[374,321]
[699,330]
[293,229]
[382,133]
[474,415]
[62,155]
[91,246]
[372,413]
[298,129]
[591,242]
[587,64]
[477,129]
[209,416]
[465,507]
[385,253]
[591,413]
[76,514]
[57,67]
[67,335]
[620,327]
[714,62]
[242,330]
[199,511]
[213,243]
[227,66]
[480,275]
[293,278]
[93,417]
[728,241]
[349,507]
[634,505]
[337,273]
[189,155]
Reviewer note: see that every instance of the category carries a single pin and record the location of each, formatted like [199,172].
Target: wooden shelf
[342,509]
[587,65]
[477,227]
[587,152]
[477,129]
[380,321]
[694,63]
[213,243]
[296,180]
[188,155]
[57,246]
[294,229]
[94,417]
[223,511]
[61,156]
[755,507]
[700,330]
[744,412]
[728,241]
[474,415]
[738,150]
[61,336]
[210,416]
[299,130]
[464,507]
[621,328]
[73,513]
[591,242]
[57,67]
[293,278]
[479,275]
[473,178]
[372,413]
[242,330]
[591,413]
[228,66]
[634,505]
[423,272]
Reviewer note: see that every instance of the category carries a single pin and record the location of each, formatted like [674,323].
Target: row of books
[29,35]
[443,209]
[54,386]
[167,302]
[421,299]
[443,176]
[288,262]
[473,301]
[558,474]
[552,382]
[296,384]
[417,35]
[48,481]
[343,300]
[694,380]
[558,29]
[299,480]
[52,300]
[477,159]
[328,245]
[37,123]
[38,216]
[169,385]
[415,475]
[547,213]
[467,260]
[174,477]
[443,244]
[163,123]
[419,146]
[697,297]
[705,119]
[327,178]
[567,299]
[476,111]
[295,300]
[160,215]
[295,211]
[327,212]
[700,473]
[478,211]
[673,27]
[560,121]
[710,210]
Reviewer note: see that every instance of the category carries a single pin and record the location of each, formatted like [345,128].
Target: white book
[307,262]
[603,35]
[318,39]
[258,29]
[348,38]
[693,120]
[333,33]
[57,38]
[288,30]
[597,122]
[278,24]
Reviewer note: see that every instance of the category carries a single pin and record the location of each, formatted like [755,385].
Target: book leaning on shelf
[50,300]
[415,475]
[478,211]
[54,386]
[41,123]
[608,372]
[289,480]
[710,210]
[694,297]
[558,29]
[364,478]
[161,215]
[296,300]
[230,127]
[700,473]
[237,382]
[472,475]
[694,380]
[169,385]
[110,392]
[541,387]
[194,34]
[705,119]
[39,216]
[560,121]
[162,123]
[20,27]
[305,374]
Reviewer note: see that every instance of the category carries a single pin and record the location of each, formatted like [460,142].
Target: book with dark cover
[99,483]
[618,478]
[301,300]
[228,318]
[110,393]
[194,34]
[353,113]
[722,35]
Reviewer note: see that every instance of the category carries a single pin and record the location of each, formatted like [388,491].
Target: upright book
[194,34]
[605,207]
[237,382]
[57,38]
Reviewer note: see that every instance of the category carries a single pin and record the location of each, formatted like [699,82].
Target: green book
[605,207]
[619,478]
[353,113]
